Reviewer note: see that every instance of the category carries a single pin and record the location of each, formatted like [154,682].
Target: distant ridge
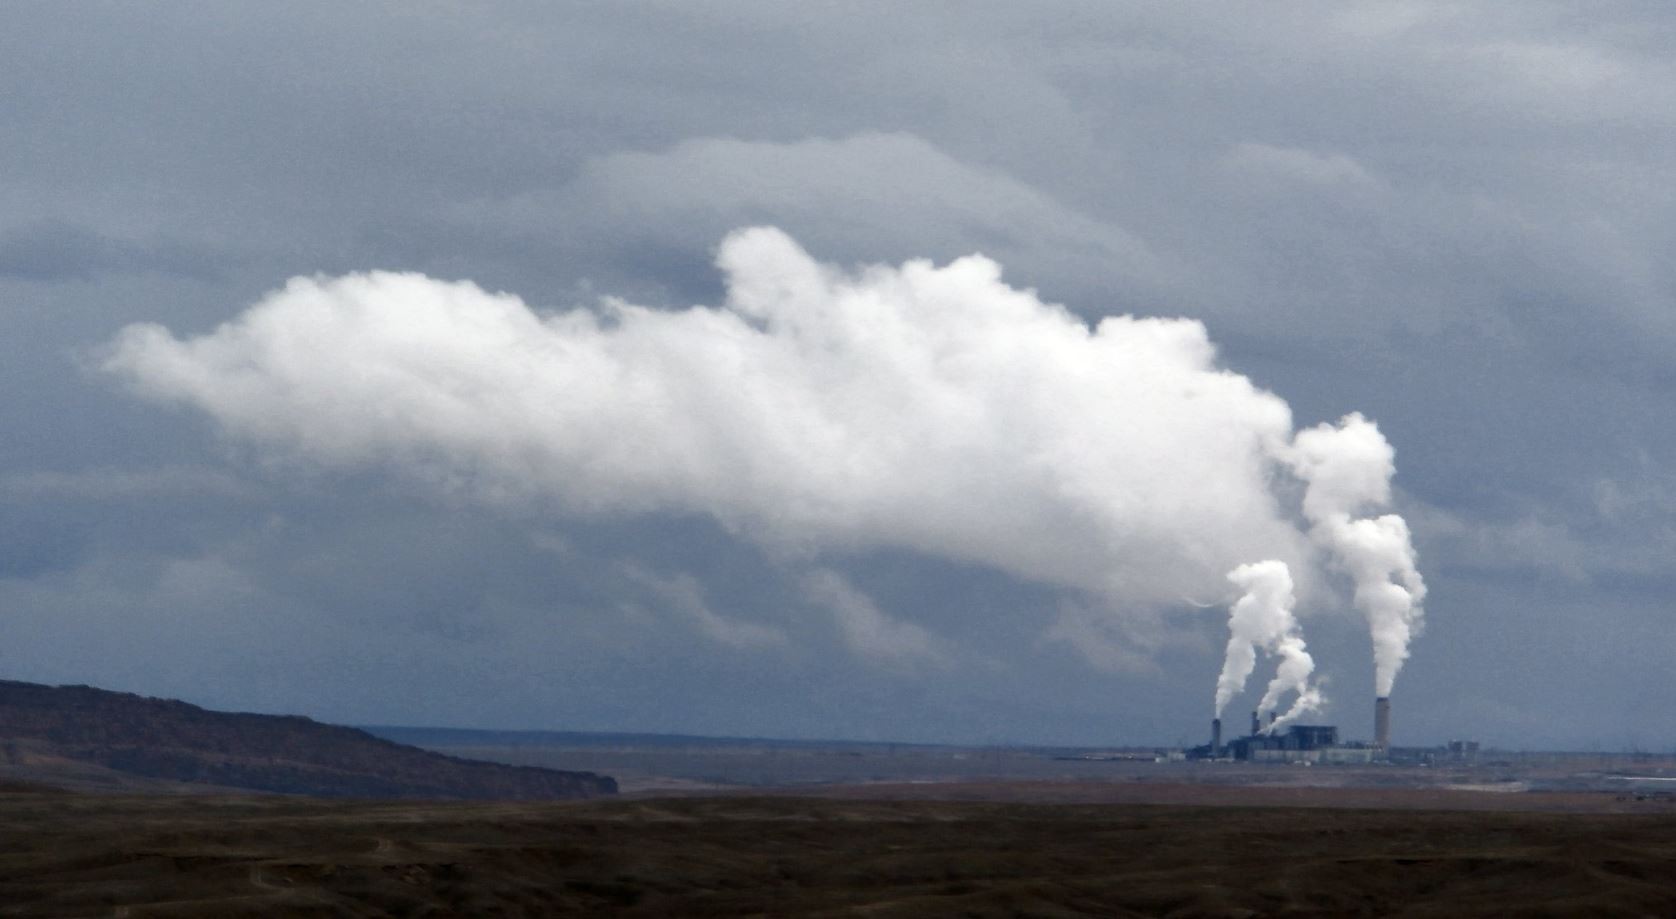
[288,754]
[420,736]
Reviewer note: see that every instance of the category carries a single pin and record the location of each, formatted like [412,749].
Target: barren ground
[1007,849]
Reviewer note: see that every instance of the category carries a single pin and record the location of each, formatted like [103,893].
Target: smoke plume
[929,408]
[1292,674]
[1348,468]
[816,411]
[1262,620]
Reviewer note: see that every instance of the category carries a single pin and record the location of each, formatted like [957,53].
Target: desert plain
[952,849]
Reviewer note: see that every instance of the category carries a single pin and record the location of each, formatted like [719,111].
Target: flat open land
[881,851]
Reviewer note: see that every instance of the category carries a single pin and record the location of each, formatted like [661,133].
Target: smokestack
[1256,725]
[1215,736]
[1273,716]
[1382,723]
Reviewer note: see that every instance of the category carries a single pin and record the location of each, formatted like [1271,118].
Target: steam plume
[1291,674]
[815,411]
[1348,468]
[1262,620]
[929,408]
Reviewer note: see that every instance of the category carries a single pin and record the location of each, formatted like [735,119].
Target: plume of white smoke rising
[1348,469]
[1262,620]
[1292,674]
[931,408]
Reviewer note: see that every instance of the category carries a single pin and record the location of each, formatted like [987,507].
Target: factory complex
[1300,743]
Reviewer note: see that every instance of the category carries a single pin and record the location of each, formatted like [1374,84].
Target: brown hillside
[168,739]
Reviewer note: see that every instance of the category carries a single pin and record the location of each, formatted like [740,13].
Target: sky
[888,371]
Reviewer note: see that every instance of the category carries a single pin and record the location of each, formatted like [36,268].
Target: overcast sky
[1453,218]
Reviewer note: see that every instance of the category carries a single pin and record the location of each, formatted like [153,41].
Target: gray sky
[1454,218]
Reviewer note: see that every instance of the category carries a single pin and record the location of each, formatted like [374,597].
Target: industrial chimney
[1382,724]
[1256,725]
[1216,737]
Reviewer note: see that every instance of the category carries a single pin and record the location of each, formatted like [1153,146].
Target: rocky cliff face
[168,739]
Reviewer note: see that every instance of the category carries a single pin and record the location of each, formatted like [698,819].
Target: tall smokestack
[1256,725]
[1216,737]
[1382,724]
[1273,717]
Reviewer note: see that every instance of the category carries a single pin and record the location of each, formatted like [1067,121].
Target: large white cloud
[933,409]
[922,407]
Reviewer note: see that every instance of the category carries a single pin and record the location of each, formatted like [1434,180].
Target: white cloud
[1095,637]
[108,484]
[1620,536]
[1385,19]
[683,594]
[928,408]
[1282,169]
[866,628]
[860,196]
[932,409]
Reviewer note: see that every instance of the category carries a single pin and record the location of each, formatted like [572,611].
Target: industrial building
[1319,743]
[1298,743]
[1301,743]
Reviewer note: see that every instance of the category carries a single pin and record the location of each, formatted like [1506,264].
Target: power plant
[1300,743]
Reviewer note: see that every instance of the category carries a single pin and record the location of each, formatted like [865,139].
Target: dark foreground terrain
[93,855]
[85,738]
